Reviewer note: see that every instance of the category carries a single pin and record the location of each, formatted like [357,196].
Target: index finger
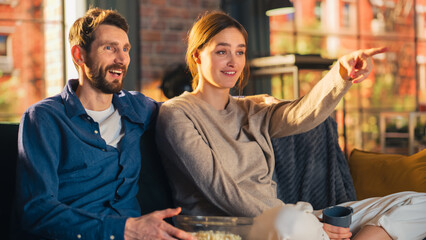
[167,213]
[373,51]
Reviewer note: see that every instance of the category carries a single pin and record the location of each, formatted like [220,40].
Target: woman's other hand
[334,232]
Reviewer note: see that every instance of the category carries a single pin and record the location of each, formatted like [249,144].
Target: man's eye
[240,53]
[220,52]
[125,49]
[108,48]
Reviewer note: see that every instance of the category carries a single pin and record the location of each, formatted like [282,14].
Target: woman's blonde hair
[204,29]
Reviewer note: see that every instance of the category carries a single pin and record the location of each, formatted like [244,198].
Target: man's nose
[122,57]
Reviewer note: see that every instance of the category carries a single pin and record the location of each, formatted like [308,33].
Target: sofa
[316,172]
[311,167]
[9,150]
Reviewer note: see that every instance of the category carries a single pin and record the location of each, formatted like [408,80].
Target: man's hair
[82,31]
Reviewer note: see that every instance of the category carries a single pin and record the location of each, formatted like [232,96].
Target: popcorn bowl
[215,227]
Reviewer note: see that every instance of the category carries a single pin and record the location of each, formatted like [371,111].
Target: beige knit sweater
[221,162]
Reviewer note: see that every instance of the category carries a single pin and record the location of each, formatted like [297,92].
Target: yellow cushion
[378,174]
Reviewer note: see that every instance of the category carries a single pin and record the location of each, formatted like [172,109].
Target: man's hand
[357,65]
[152,226]
[334,232]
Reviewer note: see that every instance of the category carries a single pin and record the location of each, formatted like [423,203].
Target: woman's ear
[196,57]
[77,54]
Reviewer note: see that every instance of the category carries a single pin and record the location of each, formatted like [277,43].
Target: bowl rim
[212,220]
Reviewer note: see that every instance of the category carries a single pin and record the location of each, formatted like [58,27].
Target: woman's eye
[240,53]
[221,52]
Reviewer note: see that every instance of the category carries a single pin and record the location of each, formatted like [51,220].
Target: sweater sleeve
[305,113]
[192,163]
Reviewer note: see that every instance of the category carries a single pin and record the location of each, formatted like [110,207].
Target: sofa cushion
[378,174]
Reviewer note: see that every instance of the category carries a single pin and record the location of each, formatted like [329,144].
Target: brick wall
[23,23]
[164,25]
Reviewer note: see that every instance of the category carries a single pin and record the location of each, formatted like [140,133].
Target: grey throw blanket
[311,167]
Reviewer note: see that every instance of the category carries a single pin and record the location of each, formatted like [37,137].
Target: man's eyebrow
[228,45]
[127,45]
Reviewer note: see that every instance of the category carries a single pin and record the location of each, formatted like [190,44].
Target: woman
[217,149]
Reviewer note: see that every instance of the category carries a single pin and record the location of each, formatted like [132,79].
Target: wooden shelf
[396,135]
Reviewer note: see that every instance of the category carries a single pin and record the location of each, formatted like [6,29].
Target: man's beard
[97,79]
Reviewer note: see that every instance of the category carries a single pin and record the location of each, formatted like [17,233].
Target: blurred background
[290,49]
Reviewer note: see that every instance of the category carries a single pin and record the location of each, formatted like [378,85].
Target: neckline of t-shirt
[100,116]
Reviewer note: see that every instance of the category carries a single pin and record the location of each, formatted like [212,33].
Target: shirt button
[88,118]
[104,150]
[117,198]
[96,131]
[78,236]
[112,237]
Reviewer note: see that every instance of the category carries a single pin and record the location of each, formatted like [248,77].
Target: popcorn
[215,235]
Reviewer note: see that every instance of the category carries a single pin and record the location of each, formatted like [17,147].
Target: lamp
[279,7]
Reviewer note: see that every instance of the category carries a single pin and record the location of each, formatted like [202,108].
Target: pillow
[378,174]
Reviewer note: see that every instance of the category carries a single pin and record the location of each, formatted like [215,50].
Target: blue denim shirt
[70,183]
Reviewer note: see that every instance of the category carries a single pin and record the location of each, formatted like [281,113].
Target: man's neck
[92,98]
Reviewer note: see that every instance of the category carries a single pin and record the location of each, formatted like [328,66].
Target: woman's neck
[216,97]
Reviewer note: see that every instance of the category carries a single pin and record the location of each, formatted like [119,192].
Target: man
[79,151]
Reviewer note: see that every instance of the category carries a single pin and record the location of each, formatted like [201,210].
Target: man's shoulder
[135,97]
[136,106]
[53,103]
[44,111]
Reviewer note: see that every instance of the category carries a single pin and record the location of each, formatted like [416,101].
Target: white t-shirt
[109,124]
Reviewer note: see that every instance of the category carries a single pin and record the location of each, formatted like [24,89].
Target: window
[31,54]
[34,52]
[6,61]
[332,28]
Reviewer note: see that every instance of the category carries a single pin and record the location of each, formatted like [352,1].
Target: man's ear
[78,54]
[196,57]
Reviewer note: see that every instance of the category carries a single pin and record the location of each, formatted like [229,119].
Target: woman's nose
[231,60]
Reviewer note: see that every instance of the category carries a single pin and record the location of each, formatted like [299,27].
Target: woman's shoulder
[185,103]
[180,101]
[180,109]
